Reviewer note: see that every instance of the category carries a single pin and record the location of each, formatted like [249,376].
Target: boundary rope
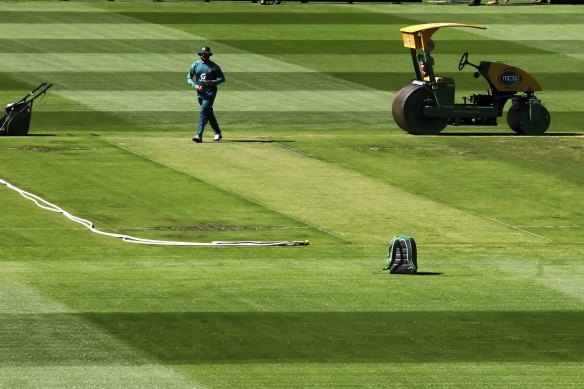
[44,204]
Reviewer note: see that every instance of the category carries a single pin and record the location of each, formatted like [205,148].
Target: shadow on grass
[510,134]
[255,141]
[350,336]
[245,337]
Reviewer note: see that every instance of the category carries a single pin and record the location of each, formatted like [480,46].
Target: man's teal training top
[200,71]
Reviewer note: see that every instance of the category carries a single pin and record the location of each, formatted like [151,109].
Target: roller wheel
[519,121]
[407,108]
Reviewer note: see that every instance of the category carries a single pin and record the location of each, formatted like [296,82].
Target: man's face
[204,57]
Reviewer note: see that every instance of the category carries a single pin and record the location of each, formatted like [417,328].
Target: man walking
[204,75]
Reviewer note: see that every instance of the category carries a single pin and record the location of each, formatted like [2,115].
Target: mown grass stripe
[375,46]
[350,18]
[544,31]
[92,31]
[217,18]
[62,17]
[48,6]
[371,32]
[563,123]
[129,121]
[107,374]
[254,63]
[246,81]
[183,46]
[547,63]
[521,18]
[168,81]
[273,18]
[51,62]
[287,101]
[193,30]
[365,100]
[422,12]
[110,46]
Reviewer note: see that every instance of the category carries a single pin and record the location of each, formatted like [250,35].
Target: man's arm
[190,74]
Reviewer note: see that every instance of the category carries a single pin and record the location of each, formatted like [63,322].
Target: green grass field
[310,151]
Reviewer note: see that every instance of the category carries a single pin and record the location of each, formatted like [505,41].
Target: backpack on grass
[402,255]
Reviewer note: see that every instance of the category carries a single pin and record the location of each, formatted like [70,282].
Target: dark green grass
[277,17]
[272,46]
[314,337]
[239,81]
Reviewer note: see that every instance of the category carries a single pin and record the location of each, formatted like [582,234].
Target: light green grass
[310,152]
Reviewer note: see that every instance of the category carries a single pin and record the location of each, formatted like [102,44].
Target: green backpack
[402,255]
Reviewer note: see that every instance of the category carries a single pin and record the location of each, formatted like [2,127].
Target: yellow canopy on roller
[418,36]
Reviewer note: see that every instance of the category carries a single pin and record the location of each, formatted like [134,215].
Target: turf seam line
[227,191]
[412,192]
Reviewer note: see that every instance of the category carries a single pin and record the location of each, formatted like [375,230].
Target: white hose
[42,203]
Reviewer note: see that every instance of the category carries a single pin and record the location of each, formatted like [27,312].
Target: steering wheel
[463,61]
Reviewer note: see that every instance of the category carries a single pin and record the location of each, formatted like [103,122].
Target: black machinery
[16,121]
